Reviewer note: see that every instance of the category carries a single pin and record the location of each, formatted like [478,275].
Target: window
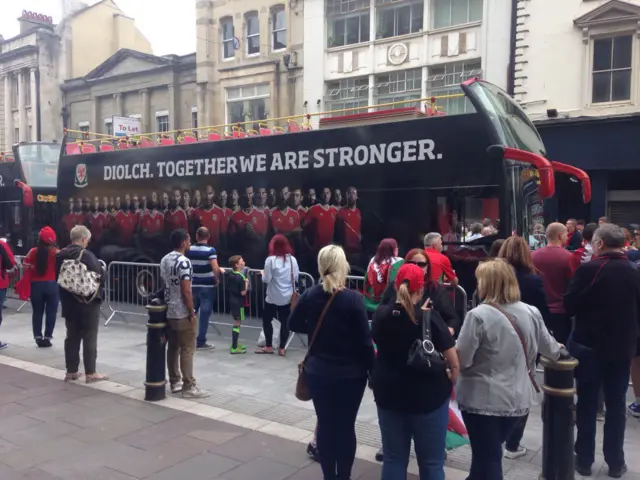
[348,30]
[15,91]
[447,13]
[16,135]
[228,41]
[84,128]
[337,7]
[611,69]
[108,127]
[400,18]
[162,122]
[279,28]
[252,33]
[446,79]
[247,103]
[194,118]
[349,93]
[398,87]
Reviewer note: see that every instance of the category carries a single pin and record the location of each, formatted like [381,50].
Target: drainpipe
[511,78]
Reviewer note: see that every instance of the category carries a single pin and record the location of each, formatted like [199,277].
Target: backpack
[77,279]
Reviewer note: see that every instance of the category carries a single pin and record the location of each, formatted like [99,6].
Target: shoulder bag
[423,356]
[302,389]
[295,295]
[512,321]
[77,279]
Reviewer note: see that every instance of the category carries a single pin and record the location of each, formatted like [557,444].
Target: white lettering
[377,153]
[210,166]
[262,163]
[180,168]
[145,170]
[246,164]
[303,159]
[108,173]
[425,148]
[188,171]
[346,156]
[232,165]
[222,165]
[318,159]
[361,155]
[394,152]
[276,162]
[170,169]
[410,151]
[289,160]
[331,152]
[161,169]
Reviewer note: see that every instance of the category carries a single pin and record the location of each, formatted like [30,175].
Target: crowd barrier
[15,274]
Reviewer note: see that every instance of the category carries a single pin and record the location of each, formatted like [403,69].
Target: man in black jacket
[605,300]
[82,319]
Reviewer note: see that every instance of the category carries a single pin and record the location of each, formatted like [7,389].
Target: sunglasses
[419,264]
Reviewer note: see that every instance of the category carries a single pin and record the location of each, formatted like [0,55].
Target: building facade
[362,53]
[160,91]
[249,61]
[578,64]
[30,97]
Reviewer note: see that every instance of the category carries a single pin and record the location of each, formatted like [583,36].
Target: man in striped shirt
[206,273]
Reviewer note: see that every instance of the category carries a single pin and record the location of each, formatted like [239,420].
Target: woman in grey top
[280,275]
[495,388]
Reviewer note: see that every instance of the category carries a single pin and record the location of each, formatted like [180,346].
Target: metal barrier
[15,274]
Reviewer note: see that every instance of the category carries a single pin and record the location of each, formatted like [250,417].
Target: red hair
[280,246]
[386,250]
[428,279]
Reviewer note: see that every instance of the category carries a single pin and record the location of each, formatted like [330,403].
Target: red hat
[47,235]
[413,275]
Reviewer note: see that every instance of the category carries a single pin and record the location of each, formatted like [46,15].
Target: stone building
[249,60]
[160,91]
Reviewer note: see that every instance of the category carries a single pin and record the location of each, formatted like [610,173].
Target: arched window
[278,28]
[228,47]
[252,33]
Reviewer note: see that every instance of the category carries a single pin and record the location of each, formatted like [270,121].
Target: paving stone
[38,452]
[206,466]
[17,422]
[40,433]
[261,468]
[111,429]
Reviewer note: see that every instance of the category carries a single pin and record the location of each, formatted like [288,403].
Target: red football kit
[302,213]
[126,224]
[175,220]
[226,212]
[213,219]
[322,222]
[351,220]
[257,218]
[97,223]
[152,222]
[284,221]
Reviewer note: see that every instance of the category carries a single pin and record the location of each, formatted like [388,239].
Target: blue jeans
[44,301]
[487,434]
[203,300]
[429,433]
[3,295]
[336,401]
[592,376]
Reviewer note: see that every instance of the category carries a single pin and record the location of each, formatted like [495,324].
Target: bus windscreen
[39,162]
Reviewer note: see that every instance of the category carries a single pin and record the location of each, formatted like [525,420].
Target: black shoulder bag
[423,356]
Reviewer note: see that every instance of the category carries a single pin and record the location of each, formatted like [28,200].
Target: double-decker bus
[354,181]
[28,199]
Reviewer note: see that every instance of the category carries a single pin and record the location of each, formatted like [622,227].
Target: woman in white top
[280,274]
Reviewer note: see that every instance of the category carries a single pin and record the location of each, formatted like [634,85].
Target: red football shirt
[152,223]
[213,219]
[302,213]
[284,221]
[97,222]
[176,219]
[126,223]
[257,218]
[441,268]
[352,224]
[226,212]
[322,222]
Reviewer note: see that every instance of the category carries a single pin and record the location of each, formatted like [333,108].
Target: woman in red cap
[411,403]
[41,264]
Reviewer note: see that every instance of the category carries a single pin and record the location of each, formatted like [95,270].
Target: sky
[169,28]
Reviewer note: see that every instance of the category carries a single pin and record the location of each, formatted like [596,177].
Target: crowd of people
[400,337]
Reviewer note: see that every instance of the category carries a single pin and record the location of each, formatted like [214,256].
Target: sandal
[264,351]
[282,352]
[72,377]
[96,377]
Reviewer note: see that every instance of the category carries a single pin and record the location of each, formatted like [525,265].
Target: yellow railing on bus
[301,122]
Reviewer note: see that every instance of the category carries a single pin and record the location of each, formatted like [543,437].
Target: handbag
[509,317]
[295,296]
[423,355]
[302,389]
[77,279]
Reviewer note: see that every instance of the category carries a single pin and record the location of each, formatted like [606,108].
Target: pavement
[251,398]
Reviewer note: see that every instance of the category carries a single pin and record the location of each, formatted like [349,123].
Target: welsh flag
[456,431]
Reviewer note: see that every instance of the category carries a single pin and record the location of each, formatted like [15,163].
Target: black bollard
[155,383]
[558,417]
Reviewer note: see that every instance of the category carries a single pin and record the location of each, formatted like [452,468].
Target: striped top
[201,255]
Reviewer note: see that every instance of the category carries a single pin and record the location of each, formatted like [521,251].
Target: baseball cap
[47,235]
[413,275]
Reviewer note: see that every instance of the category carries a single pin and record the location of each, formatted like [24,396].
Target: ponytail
[404,299]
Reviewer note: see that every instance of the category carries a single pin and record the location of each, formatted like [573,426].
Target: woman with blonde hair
[338,361]
[497,349]
[412,404]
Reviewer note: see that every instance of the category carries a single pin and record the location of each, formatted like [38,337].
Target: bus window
[39,163]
